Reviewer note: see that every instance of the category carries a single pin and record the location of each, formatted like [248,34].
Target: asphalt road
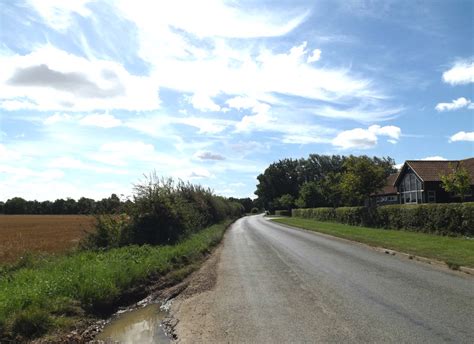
[281,285]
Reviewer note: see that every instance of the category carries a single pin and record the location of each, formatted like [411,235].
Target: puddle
[138,326]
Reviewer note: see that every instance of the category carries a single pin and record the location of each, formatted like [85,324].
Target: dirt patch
[199,283]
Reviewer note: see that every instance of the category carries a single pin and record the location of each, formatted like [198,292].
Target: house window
[431,196]
[411,189]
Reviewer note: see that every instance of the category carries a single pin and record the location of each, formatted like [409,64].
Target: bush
[163,212]
[446,219]
[282,213]
[108,232]
[254,211]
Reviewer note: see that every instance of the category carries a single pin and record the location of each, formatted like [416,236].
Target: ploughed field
[21,234]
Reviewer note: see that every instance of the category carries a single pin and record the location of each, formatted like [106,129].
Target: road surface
[281,285]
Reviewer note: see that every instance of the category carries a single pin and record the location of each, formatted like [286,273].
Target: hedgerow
[163,212]
[446,219]
[282,212]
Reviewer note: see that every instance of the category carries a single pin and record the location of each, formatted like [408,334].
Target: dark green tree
[278,179]
[15,206]
[310,196]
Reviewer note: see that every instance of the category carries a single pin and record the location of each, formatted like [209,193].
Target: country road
[281,285]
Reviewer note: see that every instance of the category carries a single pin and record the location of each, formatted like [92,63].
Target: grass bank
[455,251]
[57,292]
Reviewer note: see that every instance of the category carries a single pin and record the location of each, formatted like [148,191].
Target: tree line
[322,181]
[68,206]
[83,206]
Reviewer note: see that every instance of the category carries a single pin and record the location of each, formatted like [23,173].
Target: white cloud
[20,173]
[205,125]
[260,120]
[120,153]
[362,113]
[461,73]
[356,138]
[360,138]
[67,162]
[454,105]
[57,118]
[388,130]
[203,102]
[462,136]
[315,56]
[7,154]
[435,158]
[398,166]
[51,79]
[210,18]
[209,156]
[100,120]
[199,173]
[167,41]
[240,102]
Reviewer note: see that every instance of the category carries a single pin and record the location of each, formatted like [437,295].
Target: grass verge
[455,251]
[55,293]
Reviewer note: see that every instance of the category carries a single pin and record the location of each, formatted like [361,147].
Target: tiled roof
[430,170]
[389,187]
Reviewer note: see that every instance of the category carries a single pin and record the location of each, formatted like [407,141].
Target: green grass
[34,301]
[455,251]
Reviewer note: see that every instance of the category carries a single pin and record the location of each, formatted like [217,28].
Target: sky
[96,94]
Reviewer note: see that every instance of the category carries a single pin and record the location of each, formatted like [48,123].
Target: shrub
[282,213]
[108,232]
[254,211]
[163,212]
[446,219]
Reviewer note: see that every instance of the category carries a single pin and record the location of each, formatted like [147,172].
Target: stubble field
[21,234]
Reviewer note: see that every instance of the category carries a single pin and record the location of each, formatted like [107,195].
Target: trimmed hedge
[282,213]
[446,219]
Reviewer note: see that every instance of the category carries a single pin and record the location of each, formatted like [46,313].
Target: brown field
[40,234]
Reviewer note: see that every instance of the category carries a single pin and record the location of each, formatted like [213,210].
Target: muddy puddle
[142,325]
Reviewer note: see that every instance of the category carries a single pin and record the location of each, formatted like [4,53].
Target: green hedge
[282,212]
[447,219]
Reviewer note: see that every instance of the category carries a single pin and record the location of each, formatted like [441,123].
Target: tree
[458,181]
[331,189]
[278,179]
[362,177]
[286,201]
[15,206]
[85,205]
[311,196]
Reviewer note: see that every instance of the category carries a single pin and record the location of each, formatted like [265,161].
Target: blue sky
[94,94]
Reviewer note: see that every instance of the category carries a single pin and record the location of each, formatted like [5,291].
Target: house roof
[430,170]
[389,187]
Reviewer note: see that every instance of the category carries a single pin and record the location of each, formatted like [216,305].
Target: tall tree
[278,179]
[362,177]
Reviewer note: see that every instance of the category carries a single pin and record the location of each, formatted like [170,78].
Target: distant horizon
[95,94]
